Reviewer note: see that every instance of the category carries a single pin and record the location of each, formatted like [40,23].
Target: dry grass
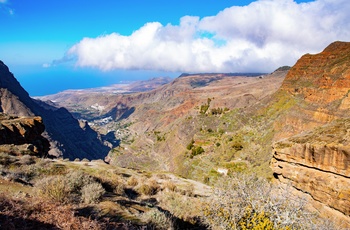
[66,194]
[183,207]
[40,214]
[54,188]
[92,193]
[169,186]
[149,188]
[132,181]
[157,220]
[72,187]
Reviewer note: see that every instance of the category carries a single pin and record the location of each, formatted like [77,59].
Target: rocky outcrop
[318,87]
[316,161]
[22,135]
[67,138]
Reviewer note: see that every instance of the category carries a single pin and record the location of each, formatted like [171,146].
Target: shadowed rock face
[66,136]
[22,134]
[317,162]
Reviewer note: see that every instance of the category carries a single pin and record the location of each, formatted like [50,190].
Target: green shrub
[256,221]
[190,145]
[237,146]
[197,151]
[217,111]
[204,109]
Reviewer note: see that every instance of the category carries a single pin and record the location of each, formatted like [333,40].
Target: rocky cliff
[22,135]
[317,160]
[318,87]
[68,139]
[318,163]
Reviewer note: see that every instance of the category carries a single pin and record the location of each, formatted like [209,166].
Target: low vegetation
[44,194]
[248,202]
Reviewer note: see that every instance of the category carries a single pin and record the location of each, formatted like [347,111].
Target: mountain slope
[162,122]
[318,86]
[68,138]
[316,160]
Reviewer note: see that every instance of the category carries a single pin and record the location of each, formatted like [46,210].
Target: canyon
[290,126]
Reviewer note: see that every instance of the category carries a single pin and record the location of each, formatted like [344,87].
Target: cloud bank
[258,37]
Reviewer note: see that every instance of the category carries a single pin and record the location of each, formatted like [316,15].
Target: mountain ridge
[68,139]
[312,145]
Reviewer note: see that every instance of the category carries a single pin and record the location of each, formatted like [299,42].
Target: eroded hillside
[316,160]
[318,87]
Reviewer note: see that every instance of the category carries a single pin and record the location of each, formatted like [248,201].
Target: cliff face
[317,161]
[22,135]
[66,136]
[319,86]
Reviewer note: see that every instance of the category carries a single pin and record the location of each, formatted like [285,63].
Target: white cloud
[3,1]
[46,65]
[259,37]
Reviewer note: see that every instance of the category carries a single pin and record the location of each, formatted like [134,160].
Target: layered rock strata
[316,161]
[318,164]
[318,85]
[22,135]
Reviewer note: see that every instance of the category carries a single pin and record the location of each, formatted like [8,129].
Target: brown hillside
[163,121]
[317,163]
[319,85]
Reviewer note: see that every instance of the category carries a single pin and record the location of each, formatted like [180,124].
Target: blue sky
[58,44]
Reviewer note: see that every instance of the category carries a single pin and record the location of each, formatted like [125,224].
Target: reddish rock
[319,87]
[317,161]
